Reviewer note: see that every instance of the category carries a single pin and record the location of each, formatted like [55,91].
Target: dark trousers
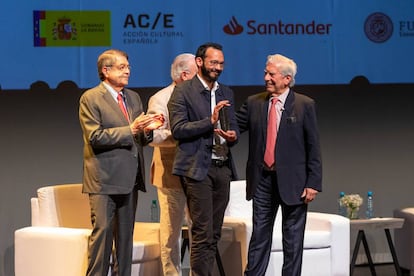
[113,219]
[266,202]
[207,201]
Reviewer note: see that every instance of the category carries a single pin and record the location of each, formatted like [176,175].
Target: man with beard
[203,160]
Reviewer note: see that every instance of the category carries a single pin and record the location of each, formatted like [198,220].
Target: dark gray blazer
[297,154]
[113,157]
[190,111]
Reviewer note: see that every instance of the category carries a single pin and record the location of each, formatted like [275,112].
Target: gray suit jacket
[297,154]
[190,111]
[113,157]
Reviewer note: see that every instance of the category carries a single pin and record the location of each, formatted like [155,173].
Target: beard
[210,74]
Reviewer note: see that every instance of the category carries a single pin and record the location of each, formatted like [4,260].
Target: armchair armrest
[242,232]
[48,251]
[339,228]
[404,238]
[35,217]
[243,228]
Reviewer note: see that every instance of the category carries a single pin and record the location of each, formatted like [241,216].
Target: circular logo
[378,27]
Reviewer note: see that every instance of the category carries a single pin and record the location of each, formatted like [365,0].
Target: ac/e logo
[146,21]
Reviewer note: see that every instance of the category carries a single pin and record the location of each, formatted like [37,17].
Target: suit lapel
[264,106]
[205,97]
[288,110]
[220,95]
[129,103]
[112,103]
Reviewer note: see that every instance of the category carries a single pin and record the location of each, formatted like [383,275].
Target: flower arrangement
[352,203]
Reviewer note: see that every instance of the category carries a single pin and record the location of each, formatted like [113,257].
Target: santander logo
[233,28]
[277,27]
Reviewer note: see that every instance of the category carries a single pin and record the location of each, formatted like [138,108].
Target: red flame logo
[233,28]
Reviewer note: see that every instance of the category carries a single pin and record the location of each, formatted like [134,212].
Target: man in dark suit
[284,164]
[113,169]
[203,160]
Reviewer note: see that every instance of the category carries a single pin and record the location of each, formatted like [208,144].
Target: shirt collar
[282,97]
[215,86]
[112,91]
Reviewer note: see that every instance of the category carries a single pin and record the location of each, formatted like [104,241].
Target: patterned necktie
[122,106]
[269,157]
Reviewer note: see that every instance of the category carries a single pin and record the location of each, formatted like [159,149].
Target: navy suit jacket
[113,157]
[297,154]
[190,111]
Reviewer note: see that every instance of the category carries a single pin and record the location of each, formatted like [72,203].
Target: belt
[219,163]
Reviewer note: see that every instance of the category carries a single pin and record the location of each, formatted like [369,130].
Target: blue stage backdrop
[331,40]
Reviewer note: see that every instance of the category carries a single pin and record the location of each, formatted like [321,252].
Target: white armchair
[326,245]
[56,243]
[404,239]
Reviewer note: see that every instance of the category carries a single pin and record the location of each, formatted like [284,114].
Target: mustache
[206,72]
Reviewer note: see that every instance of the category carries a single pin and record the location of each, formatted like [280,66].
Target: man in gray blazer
[114,131]
[203,160]
[292,176]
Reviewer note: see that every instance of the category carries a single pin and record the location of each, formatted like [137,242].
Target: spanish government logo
[71,28]
[378,27]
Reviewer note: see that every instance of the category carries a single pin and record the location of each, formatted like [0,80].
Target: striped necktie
[122,105]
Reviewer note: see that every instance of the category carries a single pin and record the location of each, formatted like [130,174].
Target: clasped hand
[146,122]
[229,135]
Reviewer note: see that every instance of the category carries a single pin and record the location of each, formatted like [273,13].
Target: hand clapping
[146,122]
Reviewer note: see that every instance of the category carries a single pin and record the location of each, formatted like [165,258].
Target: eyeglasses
[272,74]
[121,67]
[216,63]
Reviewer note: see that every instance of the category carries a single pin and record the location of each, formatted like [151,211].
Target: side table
[362,225]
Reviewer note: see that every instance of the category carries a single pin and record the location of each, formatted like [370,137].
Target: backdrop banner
[331,41]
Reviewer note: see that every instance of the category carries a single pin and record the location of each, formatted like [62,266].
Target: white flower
[351,201]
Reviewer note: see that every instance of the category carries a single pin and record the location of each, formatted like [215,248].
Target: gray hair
[181,64]
[108,58]
[286,66]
